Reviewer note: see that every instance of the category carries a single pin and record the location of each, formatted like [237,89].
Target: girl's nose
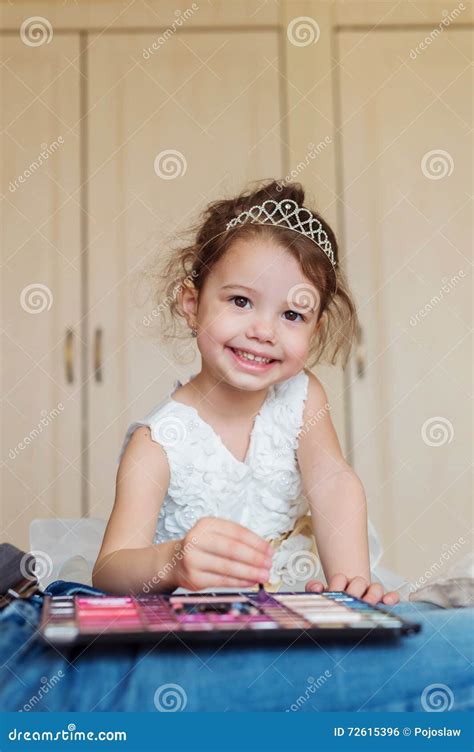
[262,330]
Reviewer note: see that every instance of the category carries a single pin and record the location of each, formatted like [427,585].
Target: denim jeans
[416,673]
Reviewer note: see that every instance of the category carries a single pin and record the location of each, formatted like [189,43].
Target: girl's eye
[295,313]
[236,298]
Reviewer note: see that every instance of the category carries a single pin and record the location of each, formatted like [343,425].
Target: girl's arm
[128,561]
[339,510]
[337,501]
[214,552]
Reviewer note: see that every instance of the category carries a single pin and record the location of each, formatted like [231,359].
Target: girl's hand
[220,553]
[358,587]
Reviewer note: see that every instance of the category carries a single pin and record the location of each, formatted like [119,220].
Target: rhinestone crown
[287,213]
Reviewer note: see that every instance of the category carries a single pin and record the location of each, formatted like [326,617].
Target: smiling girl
[237,477]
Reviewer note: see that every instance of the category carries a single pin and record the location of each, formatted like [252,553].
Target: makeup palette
[216,617]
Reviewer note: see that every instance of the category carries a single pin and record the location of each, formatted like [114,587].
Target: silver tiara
[294,217]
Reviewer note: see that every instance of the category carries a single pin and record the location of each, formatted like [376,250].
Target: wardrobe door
[40,248]
[407,227]
[169,129]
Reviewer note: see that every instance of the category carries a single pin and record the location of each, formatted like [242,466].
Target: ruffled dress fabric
[263,493]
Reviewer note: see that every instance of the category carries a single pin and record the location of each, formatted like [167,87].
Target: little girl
[237,477]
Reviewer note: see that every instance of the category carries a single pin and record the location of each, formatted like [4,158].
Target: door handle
[98,338]
[360,352]
[69,356]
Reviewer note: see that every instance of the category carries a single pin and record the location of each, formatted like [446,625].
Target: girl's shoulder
[316,400]
[293,389]
[283,410]
[317,396]
[318,429]
[157,419]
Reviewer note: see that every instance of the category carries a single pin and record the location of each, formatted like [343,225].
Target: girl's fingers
[211,580]
[228,582]
[225,567]
[357,587]
[237,550]
[314,586]
[337,582]
[210,529]
[391,598]
[374,594]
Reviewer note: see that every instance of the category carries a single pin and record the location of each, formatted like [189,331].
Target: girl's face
[255,301]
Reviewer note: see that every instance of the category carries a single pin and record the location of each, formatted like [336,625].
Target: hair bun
[276,190]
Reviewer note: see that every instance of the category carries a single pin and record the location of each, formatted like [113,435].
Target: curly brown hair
[193,261]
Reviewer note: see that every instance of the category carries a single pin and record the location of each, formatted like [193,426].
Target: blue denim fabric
[365,677]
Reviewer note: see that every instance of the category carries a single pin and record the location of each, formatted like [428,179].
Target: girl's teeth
[249,356]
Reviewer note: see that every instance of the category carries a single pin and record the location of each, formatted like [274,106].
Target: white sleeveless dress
[263,493]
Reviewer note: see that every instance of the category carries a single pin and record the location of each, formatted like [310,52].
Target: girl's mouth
[250,365]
